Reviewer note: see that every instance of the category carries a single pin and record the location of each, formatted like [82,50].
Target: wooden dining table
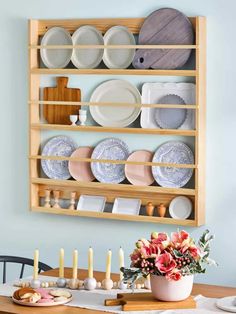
[7,306]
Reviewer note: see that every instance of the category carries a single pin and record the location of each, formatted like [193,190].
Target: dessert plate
[118,58]
[127,206]
[56,58]
[174,152]
[91,203]
[227,304]
[139,174]
[81,171]
[115,91]
[87,58]
[41,304]
[165,26]
[180,207]
[58,146]
[171,118]
[153,93]
[114,149]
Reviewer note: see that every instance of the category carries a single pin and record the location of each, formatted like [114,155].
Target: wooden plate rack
[155,194]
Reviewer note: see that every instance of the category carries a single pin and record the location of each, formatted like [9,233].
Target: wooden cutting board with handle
[146,301]
[60,114]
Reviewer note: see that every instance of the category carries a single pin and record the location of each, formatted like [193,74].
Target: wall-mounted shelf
[156,194]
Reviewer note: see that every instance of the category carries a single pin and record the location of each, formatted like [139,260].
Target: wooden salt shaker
[56,195]
[47,199]
[72,200]
[161,210]
[149,209]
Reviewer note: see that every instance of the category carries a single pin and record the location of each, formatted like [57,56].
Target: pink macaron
[44,293]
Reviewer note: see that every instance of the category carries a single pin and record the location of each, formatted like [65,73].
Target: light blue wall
[22,231]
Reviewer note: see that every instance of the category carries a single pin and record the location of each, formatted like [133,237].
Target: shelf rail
[115,162]
[113,47]
[115,104]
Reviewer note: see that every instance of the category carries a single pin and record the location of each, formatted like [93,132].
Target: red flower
[165,263]
[174,275]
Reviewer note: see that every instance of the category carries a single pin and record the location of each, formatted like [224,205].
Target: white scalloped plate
[227,304]
[153,92]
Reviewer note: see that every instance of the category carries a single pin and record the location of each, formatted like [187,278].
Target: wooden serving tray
[146,301]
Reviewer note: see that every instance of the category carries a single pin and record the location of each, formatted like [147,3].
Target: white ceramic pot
[170,290]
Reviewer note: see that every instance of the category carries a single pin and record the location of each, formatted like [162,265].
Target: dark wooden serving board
[164,27]
[146,301]
[60,114]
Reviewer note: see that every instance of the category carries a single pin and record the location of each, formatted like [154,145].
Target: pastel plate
[41,304]
[87,58]
[227,304]
[56,58]
[57,146]
[139,174]
[118,58]
[173,152]
[113,149]
[118,91]
[180,207]
[81,171]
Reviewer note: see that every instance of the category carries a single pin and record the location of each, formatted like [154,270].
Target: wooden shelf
[113,72]
[113,187]
[90,128]
[112,216]
[156,194]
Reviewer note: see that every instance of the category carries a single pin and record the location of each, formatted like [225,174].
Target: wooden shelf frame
[38,28]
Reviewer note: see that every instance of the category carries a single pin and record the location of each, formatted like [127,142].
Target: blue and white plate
[58,146]
[174,152]
[114,149]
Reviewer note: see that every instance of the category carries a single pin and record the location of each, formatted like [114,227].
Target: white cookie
[60,293]
[59,299]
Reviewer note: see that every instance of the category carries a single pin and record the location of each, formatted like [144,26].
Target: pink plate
[81,171]
[41,304]
[139,174]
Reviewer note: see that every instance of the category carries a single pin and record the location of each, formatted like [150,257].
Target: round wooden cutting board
[164,27]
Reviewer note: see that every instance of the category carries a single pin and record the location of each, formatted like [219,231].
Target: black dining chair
[20,260]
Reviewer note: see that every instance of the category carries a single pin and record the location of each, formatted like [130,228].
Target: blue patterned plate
[173,152]
[58,146]
[111,148]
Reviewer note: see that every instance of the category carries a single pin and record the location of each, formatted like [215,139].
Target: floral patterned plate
[58,146]
[111,148]
[174,152]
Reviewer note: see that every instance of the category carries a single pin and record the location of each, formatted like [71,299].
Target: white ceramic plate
[118,58]
[87,58]
[227,304]
[56,58]
[180,207]
[115,91]
[127,206]
[91,203]
[152,94]
[113,149]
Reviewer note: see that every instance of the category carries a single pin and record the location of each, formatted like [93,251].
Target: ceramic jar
[170,290]
[149,209]
[161,210]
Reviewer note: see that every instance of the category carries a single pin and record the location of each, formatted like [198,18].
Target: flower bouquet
[171,263]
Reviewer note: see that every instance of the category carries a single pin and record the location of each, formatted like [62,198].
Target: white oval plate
[180,207]
[153,92]
[87,58]
[118,58]
[173,152]
[56,58]
[41,304]
[227,304]
[115,91]
[113,149]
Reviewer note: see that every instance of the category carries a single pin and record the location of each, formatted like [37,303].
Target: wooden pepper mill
[72,200]
[161,210]
[47,199]
[149,209]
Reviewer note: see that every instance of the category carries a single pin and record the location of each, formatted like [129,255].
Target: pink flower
[165,263]
[149,251]
[135,256]
[174,275]
[194,252]
[160,239]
